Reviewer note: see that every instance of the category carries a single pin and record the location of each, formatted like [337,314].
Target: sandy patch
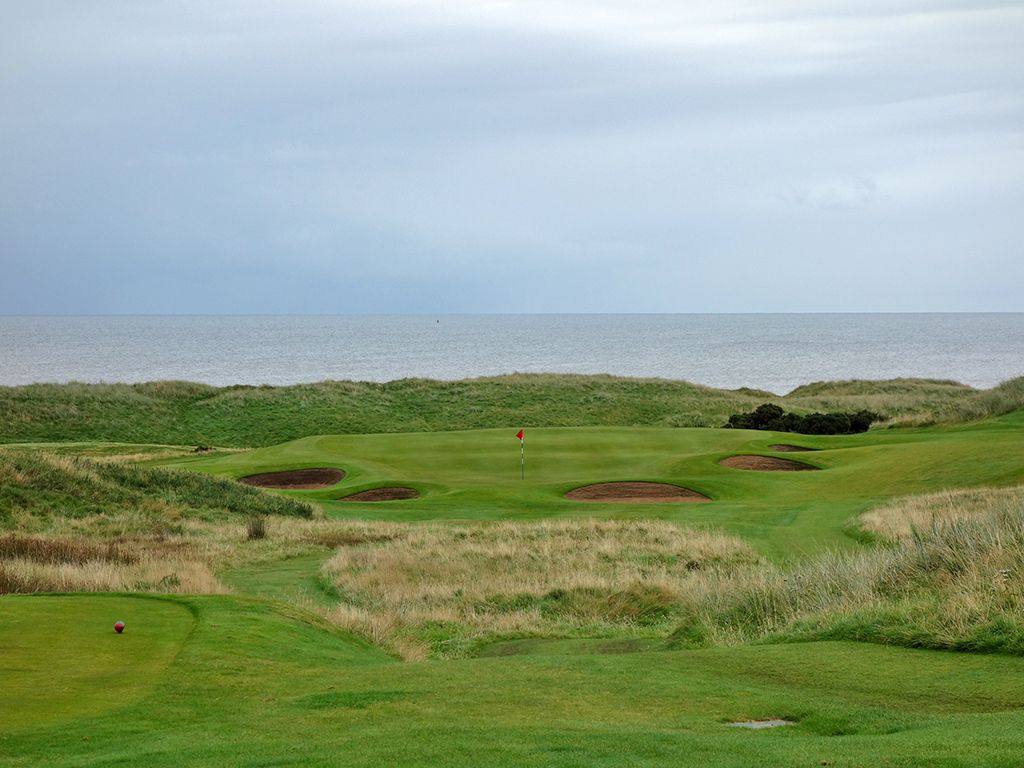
[296,479]
[765,464]
[635,493]
[383,494]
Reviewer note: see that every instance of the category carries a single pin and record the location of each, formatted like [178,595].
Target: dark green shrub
[773,418]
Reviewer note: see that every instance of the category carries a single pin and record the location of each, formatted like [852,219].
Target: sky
[470,156]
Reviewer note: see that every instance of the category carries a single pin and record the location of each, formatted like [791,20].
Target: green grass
[294,579]
[475,475]
[182,413]
[253,684]
[65,662]
[40,484]
[256,679]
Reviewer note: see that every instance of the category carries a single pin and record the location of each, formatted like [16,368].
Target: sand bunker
[383,494]
[296,479]
[783,448]
[765,464]
[635,493]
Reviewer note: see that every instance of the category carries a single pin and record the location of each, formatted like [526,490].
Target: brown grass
[900,518]
[146,575]
[950,577]
[60,564]
[41,549]
[546,578]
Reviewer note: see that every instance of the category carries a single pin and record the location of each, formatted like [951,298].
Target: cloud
[836,195]
[647,153]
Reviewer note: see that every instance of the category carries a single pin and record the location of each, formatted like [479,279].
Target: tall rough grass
[441,589]
[145,575]
[77,524]
[901,518]
[40,484]
[181,413]
[955,582]
[50,563]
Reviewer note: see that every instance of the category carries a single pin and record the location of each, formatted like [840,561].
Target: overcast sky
[548,156]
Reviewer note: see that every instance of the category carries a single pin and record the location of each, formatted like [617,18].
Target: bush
[773,418]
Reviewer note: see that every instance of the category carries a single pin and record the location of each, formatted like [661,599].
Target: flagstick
[522,458]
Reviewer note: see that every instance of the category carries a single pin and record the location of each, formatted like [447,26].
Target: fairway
[475,475]
[254,684]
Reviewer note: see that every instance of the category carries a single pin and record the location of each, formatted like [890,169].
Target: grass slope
[183,413]
[38,484]
[254,684]
[475,475]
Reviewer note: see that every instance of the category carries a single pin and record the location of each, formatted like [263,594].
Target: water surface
[775,352]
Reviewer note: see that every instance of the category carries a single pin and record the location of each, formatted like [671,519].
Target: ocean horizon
[771,351]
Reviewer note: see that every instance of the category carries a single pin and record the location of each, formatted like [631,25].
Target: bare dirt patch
[785,448]
[635,493]
[765,464]
[296,479]
[383,494]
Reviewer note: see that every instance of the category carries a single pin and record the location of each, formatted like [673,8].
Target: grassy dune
[183,413]
[78,524]
[39,484]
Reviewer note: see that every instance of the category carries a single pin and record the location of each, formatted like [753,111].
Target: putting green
[60,658]
[476,475]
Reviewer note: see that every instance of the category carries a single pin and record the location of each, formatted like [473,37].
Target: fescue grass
[37,484]
[146,574]
[256,527]
[948,578]
[182,413]
[43,549]
[78,524]
[905,517]
[954,583]
[443,590]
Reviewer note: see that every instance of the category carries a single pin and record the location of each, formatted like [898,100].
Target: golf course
[621,588]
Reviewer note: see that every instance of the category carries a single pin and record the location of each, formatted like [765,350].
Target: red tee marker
[119,627]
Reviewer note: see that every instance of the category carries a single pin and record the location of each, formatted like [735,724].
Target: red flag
[519,434]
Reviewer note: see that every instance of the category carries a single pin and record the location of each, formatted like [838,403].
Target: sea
[773,352]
